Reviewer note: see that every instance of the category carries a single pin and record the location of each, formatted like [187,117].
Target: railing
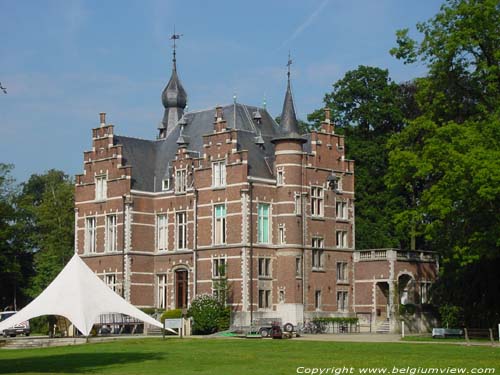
[396,254]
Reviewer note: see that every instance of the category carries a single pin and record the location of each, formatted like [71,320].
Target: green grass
[237,356]
[429,338]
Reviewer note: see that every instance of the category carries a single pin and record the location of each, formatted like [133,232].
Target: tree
[46,209]
[368,107]
[461,48]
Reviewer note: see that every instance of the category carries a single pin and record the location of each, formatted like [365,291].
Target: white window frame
[111,239]
[317,201]
[342,300]
[217,263]
[219,226]
[110,281]
[165,184]
[265,301]
[341,208]
[219,174]
[317,299]
[161,291]
[162,232]
[261,223]
[181,230]
[280,177]
[101,187]
[264,268]
[281,234]
[180,181]
[298,267]
[342,272]
[341,239]
[90,234]
[298,204]
[424,291]
[317,253]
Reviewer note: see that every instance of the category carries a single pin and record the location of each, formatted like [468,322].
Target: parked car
[22,328]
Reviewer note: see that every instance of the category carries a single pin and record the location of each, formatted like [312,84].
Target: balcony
[395,254]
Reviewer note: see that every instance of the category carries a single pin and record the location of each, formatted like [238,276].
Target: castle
[228,194]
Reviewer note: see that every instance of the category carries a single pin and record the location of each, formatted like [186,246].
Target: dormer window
[165,184]
[218,174]
[180,181]
[101,188]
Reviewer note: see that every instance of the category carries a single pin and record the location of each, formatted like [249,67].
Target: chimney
[327,125]
[220,123]
[102,116]
[327,115]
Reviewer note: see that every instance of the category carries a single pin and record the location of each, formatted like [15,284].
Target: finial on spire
[289,64]
[174,37]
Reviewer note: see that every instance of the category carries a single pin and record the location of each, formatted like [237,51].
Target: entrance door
[181,288]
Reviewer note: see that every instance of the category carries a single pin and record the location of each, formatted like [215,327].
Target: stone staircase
[383,327]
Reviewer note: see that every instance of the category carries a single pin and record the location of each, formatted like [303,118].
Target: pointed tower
[289,124]
[174,98]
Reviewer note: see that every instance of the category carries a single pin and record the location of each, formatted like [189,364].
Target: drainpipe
[303,217]
[123,245]
[195,245]
[250,185]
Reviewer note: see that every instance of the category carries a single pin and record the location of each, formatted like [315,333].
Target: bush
[209,315]
[171,314]
[148,310]
[451,316]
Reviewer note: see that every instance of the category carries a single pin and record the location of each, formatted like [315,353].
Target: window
[317,201]
[317,253]
[281,296]
[298,205]
[90,235]
[181,230]
[298,267]
[110,281]
[219,267]
[342,238]
[218,174]
[280,177]
[165,184]
[342,271]
[281,234]
[161,296]
[264,299]
[111,233]
[341,209]
[338,184]
[100,188]
[317,299]
[264,267]
[425,287]
[161,232]
[219,224]
[263,223]
[180,181]
[342,301]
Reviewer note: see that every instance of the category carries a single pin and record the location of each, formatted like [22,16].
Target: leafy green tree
[368,107]
[461,48]
[46,209]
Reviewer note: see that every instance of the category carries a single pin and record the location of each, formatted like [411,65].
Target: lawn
[238,357]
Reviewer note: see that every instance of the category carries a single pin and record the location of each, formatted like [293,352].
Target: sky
[64,61]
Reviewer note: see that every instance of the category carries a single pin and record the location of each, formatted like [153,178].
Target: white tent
[80,296]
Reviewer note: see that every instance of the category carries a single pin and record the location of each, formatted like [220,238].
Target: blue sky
[65,61]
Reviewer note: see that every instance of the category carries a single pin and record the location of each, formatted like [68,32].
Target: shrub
[451,316]
[171,314]
[407,309]
[148,310]
[209,315]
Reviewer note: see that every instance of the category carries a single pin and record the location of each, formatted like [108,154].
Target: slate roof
[150,159]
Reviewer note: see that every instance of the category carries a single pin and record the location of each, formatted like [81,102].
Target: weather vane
[4,89]
[174,37]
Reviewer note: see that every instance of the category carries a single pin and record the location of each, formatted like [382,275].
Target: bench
[447,332]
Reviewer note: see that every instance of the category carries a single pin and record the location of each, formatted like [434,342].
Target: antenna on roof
[234,109]
[174,37]
[289,64]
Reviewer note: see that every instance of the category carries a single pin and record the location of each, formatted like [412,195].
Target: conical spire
[288,123]
[174,97]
